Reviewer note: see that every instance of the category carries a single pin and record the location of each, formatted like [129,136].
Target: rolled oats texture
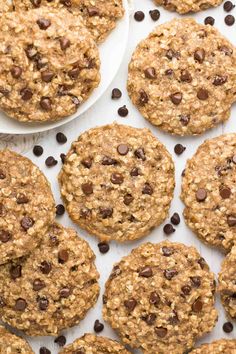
[11,344]
[221,346]
[185,6]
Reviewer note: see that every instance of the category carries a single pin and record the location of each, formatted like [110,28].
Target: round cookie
[160,298]
[91,344]
[226,283]
[221,346]
[182,78]
[11,344]
[100,16]
[26,205]
[117,182]
[48,66]
[185,6]
[52,288]
[208,191]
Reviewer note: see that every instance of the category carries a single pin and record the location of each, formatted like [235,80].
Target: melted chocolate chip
[38,285]
[130,304]
[87,188]
[117,178]
[63,256]
[93,11]
[61,341]
[176,98]
[16,72]
[20,305]
[197,306]
[146,272]
[5,236]
[161,332]
[87,162]
[140,154]
[170,273]
[27,223]
[135,172]
[199,55]
[43,23]
[147,189]
[150,73]
[22,199]
[128,199]
[43,303]
[65,292]
[47,76]
[26,94]
[64,43]
[15,271]
[45,267]
[186,289]
[167,251]
[108,161]
[105,212]
[231,220]
[154,298]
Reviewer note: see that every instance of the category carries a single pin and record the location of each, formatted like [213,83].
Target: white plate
[111,54]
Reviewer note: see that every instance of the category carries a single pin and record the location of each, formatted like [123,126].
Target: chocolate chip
[38,285]
[167,251]
[15,271]
[108,161]
[98,326]
[143,97]
[63,158]
[150,319]
[60,209]
[43,23]
[225,192]
[64,43]
[61,341]
[130,304]
[27,223]
[229,20]
[196,281]
[31,52]
[179,149]
[199,55]
[87,162]
[116,94]
[202,94]
[43,303]
[5,236]
[38,150]
[170,54]
[176,98]
[231,220]
[175,219]
[201,195]
[140,154]
[26,94]
[155,14]
[135,172]
[226,50]
[185,76]
[139,16]
[123,111]
[36,3]
[103,247]
[105,212]
[170,273]
[228,6]
[16,72]
[2,174]
[173,319]
[197,305]
[22,199]
[154,298]
[117,178]
[161,332]
[202,262]
[209,20]
[20,305]
[65,292]
[5,92]
[2,302]
[128,199]
[150,73]
[45,267]
[168,229]
[50,161]
[47,76]
[44,350]
[184,119]
[146,272]
[168,72]
[87,188]
[63,256]
[123,149]
[186,289]
[46,103]
[93,11]
[219,80]
[147,189]
[74,73]
[228,327]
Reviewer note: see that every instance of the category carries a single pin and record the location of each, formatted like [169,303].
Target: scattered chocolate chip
[147,189]
[93,11]
[202,94]
[22,199]
[65,292]
[45,267]
[98,326]
[185,76]
[146,272]
[170,54]
[176,98]
[161,332]
[135,172]
[5,236]
[150,73]
[74,73]
[225,192]
[20,305]
[123,111]
[199,55]
[228,327]
[44,350]
[87,188]
[231,220]
[105,212]
[60,209]
[61,341]
[46,103]
[108,161]
[184,119]
[226,50]
[103,247]
[228,6]
[219,80]
[63,256]
[179,149]
[168,229]
[27,223]
[5,92]
[128,199]
[201,195]
[154,298]
[43,303]
[116,94]
[87,162]
[26,94]
[43,23]
[186,289]
[170,273]
[168,72]
[50,161]
[16,72]
[196,281]
[197,305]
[139,16]
[64,43]
[209,20]
[38,285]
[155,14]
[36,3]
[229,20]
[150,319]
[202,262]
[167,251]
[2,174]
[143,97]
[15,271]
[63,158]
[140,154]
[61,138]
[38,150]
[130,304]
[47,76]
[175,219]
[123,149]
[117,178]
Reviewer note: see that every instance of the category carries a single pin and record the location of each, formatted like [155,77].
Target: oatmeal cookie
[91,344]
[48,66]
[227,286]
[182,78]
[117,182]
[185,6]
[208,192]
[221,346]
[11,344]
[160,298]
[100,16]
[52,288]
[26,205]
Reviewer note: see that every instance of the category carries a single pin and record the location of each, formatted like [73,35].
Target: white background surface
[105,111]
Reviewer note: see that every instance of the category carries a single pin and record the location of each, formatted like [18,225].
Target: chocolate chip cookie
[48,66]
[221,346]
[208,192]
[227,286]
[160,298]
[11,344]
[185,6]
[100,16]
[91,344]
[52,288]
[26,205]
[117,182]
[182,78]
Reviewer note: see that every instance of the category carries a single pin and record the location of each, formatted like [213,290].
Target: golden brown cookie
[221,346]
[160,298]
[185,6]
[26,205]
[208,191]
[182,77]
[48,66]
[11,344]
[117,182]
[51,289]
